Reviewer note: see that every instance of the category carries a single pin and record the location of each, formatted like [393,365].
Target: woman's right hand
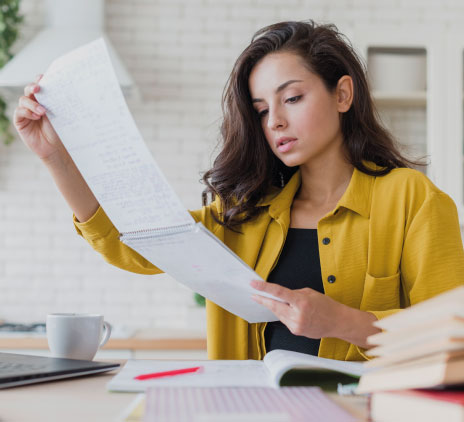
[33,126]
[35,130]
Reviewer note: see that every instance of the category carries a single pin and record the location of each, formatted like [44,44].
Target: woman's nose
[275,120]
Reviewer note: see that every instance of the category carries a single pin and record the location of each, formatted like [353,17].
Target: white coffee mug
[76,336]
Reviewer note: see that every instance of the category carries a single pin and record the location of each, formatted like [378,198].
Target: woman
[308,189]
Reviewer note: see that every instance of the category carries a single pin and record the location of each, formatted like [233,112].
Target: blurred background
[174,60]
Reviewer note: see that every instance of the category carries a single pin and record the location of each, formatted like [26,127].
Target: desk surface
[141,340]
[86,399]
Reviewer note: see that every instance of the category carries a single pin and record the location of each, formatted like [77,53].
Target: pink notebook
[286,404]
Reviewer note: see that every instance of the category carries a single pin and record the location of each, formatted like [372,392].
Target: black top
[298,267]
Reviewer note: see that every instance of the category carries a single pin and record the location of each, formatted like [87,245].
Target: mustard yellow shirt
[394,241]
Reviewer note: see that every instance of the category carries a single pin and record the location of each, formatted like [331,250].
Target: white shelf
[400,99]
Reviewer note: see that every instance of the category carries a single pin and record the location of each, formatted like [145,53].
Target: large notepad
[86,107]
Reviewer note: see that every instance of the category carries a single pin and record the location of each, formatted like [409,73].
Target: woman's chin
[291,161]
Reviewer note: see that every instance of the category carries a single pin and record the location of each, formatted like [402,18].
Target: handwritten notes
[87,109]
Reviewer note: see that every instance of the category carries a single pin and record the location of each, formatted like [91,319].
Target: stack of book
[418,367]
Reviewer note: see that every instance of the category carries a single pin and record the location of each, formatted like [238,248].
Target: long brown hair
[246,168]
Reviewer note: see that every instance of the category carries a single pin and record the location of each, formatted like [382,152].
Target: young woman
[308,189]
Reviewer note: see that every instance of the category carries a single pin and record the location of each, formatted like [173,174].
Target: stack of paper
[420,347]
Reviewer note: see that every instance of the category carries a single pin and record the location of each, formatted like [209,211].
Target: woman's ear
[344,93]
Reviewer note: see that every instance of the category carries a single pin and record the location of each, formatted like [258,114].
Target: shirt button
[331,279]
[326,241]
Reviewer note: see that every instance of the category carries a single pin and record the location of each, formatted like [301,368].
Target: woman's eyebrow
[279,88]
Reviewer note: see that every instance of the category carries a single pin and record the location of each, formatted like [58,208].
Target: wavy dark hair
[246,168]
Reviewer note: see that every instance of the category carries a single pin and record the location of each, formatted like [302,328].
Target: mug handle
[107,327]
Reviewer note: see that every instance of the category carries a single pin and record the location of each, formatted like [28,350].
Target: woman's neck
[323,182]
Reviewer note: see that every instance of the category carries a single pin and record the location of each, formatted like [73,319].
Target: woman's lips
[285,145]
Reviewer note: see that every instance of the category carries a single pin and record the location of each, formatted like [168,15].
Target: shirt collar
[357,196]
[281,199]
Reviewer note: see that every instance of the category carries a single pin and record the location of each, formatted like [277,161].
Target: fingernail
[40,109]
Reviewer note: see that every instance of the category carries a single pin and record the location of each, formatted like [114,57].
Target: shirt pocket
[381,293]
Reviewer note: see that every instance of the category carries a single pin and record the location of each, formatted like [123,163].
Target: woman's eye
[262,113]
[292,100]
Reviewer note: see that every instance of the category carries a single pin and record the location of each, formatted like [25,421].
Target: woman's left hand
[309,313]
[305,312]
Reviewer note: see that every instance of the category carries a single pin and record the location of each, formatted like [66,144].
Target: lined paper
[87,109]
[214,373]
[288,404]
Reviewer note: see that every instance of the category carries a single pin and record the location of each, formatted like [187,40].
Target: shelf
[400,99]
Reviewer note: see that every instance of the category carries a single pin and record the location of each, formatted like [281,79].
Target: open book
[86,107]
[278,368]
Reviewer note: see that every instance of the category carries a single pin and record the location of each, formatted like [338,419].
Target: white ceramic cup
[76,336]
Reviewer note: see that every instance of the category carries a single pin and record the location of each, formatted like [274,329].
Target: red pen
[168,373]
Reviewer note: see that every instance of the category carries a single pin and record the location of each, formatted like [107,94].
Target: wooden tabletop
[86,399]
[141,340]
[72,400]
[114,344]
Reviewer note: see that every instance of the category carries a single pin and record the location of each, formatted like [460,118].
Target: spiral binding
[160,231]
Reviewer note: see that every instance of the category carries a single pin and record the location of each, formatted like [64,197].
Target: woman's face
[299,116]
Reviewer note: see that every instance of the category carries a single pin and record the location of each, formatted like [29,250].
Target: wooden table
[72,400]
[132,343]
[141,340]
[86,399]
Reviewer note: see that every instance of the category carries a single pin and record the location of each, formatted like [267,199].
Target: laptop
[16,369]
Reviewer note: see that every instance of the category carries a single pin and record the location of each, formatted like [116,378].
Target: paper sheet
[215,373]
[135,411]
[280,361]
[203,263]
[288,404]
[86,107]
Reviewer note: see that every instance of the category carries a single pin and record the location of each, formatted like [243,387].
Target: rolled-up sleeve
[103,236]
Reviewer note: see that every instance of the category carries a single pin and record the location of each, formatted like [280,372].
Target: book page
[278,362]
[454,325]
[86,107]
[214,373]
[445,304]
[203,263]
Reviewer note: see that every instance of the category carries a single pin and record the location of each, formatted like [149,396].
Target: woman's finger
[32,105]
[274,289]
[22,113]
[280,309]
[27,90]
[31,89]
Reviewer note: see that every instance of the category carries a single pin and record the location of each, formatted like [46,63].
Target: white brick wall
[179,53]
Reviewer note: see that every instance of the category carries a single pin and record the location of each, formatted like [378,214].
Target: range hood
[69,24]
